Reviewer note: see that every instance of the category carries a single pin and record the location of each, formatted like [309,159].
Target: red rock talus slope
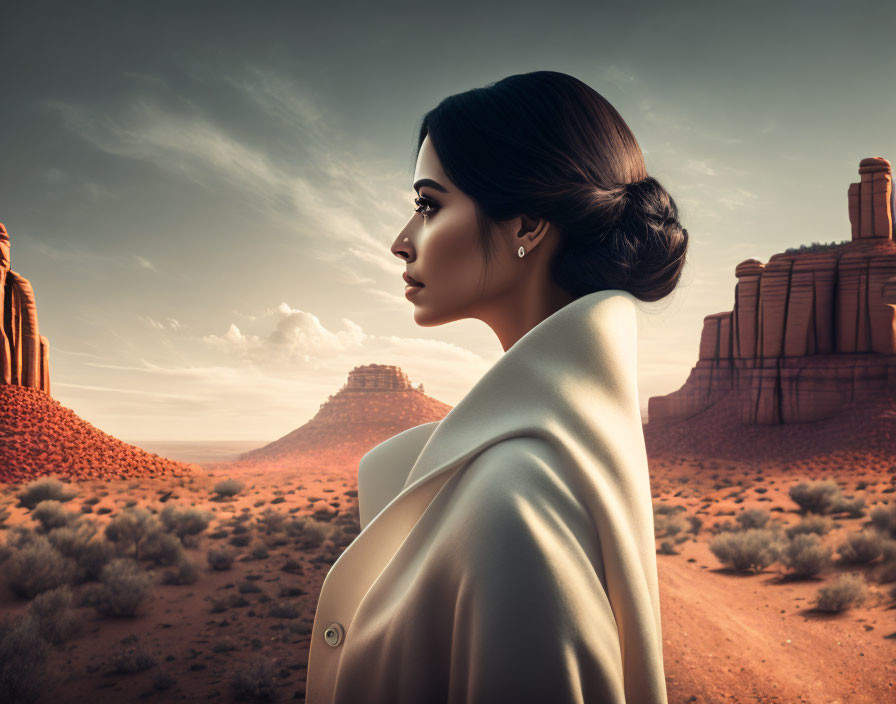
[40,436]
[810,330]
[863,435]
[376,402]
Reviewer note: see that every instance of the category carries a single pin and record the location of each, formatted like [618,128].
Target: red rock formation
[40,436]
[810,331]
[375,403]
[24,352]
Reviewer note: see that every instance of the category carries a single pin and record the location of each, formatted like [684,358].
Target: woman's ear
[531,230]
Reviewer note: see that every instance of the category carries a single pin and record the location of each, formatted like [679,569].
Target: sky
[204,195]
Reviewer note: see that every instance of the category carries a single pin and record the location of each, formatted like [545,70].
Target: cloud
[167,324]
[319,187]
[80,256]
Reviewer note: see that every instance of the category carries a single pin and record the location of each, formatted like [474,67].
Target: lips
[408,279]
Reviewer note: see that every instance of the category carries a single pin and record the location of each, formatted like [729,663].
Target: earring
[405,239]
[521,251]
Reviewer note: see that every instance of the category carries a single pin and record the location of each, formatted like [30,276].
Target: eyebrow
[429,182]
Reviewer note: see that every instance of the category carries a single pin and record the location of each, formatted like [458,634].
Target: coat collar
[574,374]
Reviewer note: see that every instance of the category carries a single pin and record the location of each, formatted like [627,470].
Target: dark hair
[547,145]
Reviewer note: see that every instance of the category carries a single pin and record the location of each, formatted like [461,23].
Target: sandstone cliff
[24,352]
[810,330]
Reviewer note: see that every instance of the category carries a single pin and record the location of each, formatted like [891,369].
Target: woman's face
[440,245]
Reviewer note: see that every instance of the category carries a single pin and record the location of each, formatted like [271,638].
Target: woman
[507,551]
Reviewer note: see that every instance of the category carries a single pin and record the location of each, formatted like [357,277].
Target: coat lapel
[572,377]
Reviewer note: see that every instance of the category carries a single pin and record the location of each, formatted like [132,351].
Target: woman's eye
[424,203]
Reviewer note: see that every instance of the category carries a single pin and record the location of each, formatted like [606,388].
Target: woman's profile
[507,551]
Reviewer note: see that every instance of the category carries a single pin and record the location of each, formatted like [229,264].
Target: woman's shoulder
[516,481]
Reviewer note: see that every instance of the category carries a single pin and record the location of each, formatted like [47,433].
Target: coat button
[333,634]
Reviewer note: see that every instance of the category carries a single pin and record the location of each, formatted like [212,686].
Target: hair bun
[631,240]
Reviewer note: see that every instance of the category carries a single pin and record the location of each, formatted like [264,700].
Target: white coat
[507,552]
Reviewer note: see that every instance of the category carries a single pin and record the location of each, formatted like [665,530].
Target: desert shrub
[18,536]
[240,529]
[819,525]
[696,523]
[883,519]
[240,541]
[53,612]
[752,518]
[44,489]
[308,532]
[52,514]
[23,659]
[752,549]
[805,555]
[667,547]
[816,496]
[225,645]
[248,587]
[271,521]
[845,591]
[259,551]
[855,507]
[90,555]
[663,509]
[4,515]
[131,527]
[162,548]
[123,587]
[134,659]
[184,572]
[186,523]
[255,680]
[228,488]
[860,547]
[667,524]
[38,567]
[221,558]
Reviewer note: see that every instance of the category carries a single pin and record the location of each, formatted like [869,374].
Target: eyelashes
[425,206]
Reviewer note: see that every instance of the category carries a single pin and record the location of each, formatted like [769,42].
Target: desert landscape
[128,576]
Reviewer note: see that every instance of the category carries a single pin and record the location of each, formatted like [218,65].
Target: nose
[402,247]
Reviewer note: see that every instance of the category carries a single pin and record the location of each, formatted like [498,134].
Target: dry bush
[185,572]
[228,488]
[134,659]
[309,533]
[187,523]
[271,521]
[817,496]
[752,549]
[131,527]
[844,592]
[124,586]
[255,681]
[752,518]
[44,489]
[860,548]
[805,556]
[221,558]
[37,567]
[162,548]
[76,542]
[53,612]
[820,525]
[52,514]
[855,507]
[23,660]
[883,519]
